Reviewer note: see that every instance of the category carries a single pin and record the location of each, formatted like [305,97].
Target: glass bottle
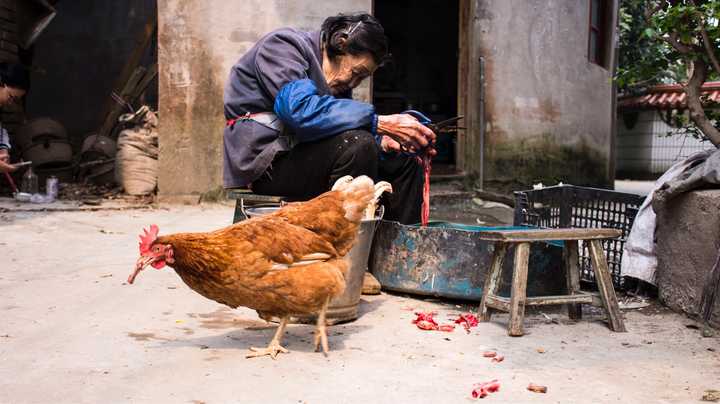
[29,182]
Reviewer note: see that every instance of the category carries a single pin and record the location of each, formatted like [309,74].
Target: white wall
[646,148]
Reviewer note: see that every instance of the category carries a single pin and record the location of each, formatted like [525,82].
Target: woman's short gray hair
[362,33]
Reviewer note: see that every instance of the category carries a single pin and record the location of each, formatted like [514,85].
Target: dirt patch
[146,336]
[223,318]
[186,330]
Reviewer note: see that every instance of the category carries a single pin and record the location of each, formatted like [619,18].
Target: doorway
[423,73]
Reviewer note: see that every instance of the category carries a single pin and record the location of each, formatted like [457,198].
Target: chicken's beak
[141,263]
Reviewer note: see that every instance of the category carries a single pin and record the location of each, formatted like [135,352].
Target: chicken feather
[286,263]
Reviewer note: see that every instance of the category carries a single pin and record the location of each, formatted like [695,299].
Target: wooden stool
[515,305]
[245,198]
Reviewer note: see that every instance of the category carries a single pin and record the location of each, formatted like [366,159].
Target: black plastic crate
[566,206]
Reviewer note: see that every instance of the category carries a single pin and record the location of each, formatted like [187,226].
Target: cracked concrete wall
[199,41]
[548,108]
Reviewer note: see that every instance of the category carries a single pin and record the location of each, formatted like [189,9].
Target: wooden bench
[515,305]
[246,198]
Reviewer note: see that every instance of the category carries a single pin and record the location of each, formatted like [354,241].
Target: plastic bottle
[41,198]
[51,188]
[29,182]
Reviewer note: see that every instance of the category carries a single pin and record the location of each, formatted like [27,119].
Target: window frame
[600,31]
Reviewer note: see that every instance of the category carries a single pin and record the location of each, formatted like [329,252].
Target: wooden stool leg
[492,280]
[519,286]
[572,276]
[605,286]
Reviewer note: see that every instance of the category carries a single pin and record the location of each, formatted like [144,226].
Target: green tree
[672,41]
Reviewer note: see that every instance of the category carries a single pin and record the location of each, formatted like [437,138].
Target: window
[598,33]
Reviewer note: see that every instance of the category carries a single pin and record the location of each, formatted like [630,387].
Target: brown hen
[284,264]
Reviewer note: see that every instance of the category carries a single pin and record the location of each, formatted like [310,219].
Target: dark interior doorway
[424,72]
[78,61]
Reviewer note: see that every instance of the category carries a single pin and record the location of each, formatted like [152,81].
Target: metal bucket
[260,211]
[343,308]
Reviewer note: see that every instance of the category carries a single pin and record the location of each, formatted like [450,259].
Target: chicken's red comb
[148,238]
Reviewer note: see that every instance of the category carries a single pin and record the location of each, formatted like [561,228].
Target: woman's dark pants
[311,168]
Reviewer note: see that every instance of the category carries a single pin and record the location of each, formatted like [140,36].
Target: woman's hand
[5,166]
[390,146]
[405,130]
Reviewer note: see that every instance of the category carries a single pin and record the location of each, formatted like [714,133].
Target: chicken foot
[274,348]
[321,330]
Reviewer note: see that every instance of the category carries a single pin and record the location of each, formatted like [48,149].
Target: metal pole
[612,160]
[481,122]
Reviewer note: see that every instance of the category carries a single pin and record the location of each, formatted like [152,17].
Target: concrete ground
[73,332]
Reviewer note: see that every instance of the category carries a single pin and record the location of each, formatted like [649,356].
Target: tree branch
[694,92]
[649,12]
[672,38]
[675,43]
[707,44]
[709,50]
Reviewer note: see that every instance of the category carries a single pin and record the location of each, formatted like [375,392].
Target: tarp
[697,171]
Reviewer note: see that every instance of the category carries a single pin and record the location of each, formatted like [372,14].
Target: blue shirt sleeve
[311,116]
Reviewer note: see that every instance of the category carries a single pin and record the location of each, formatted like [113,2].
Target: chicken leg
[321,330]
[274,348]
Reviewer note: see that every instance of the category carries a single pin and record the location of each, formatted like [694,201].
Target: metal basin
[98,157]
[39,130]
[48,153]
[96,147]
[344,307]
[448,260]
